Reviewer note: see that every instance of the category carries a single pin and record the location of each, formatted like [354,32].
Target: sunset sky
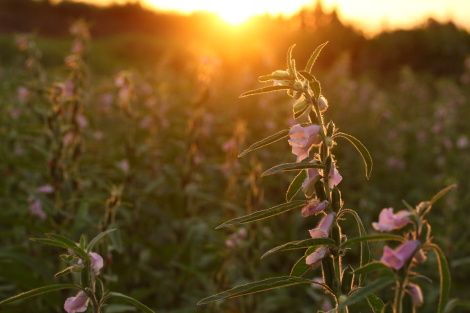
[369,15]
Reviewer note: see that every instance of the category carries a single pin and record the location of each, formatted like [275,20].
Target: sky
[372,16]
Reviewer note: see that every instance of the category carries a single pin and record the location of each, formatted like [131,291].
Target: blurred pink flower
[303,138]
[462,142]
[323,228]
[79,303]
[389,221]
[416,294]
[35,207]
[23,94]
[45,189]
[314,206]
[316,257]
[397,258]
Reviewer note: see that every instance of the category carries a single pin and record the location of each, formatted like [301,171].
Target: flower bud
[322,104]
[336,201]
[416,294]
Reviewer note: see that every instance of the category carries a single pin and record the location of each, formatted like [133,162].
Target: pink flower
[96,262]
[416,294]
[78,303]
[323,229]
[397,258]
[334,177]
[389,221]
[303,138]
[308,186]
[314,206]
[316,257]
[45,189]
[35,207]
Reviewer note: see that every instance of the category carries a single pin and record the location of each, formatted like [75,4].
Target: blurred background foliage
[159,163]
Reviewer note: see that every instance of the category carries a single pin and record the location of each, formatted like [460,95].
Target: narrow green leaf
[50,242]
[316,88]
[265,90]
[367,290]
[300,108]
[38,291]
[97,238]
[442,193]
[266,141]
[299,244]
[259,215]
[64,271]
[307,76]
[444,274]
[370,267]
[72,246]
[295,185]
[291,167]
[375,303]
[381,237]
[362,150]
[300,267]
[365,251]
[290,62]
[267,78]
[131,300]
[313,57]
[262,285]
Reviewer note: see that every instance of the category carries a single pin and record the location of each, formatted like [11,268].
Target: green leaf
[65,271]
[300,267]
[262,285]
[381,237]
[291,167]
[365,251]
[300,108]
[131,300]
[375,303]
[72,246]
[444,274]
[50,242]
[266,141]
[307,76]
[365,291]
[38,291]
[441,193]
[370,267]
[290,62]
[299,244]
[316,88]
[362,150]
[97,238]
[265,90]
[295,185]
[262,214]
[313,57]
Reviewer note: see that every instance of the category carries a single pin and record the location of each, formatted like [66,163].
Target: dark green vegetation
[165,171]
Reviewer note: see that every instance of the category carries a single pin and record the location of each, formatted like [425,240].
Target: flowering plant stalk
[90,288]
[312,143]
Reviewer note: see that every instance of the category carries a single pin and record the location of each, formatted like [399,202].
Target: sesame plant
[87,264]
[313,141]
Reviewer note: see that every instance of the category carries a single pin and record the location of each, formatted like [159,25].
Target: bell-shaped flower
[322,104]
[416,294]
[314,206]
[308,186]
[323,229]
[96,262]
[398,257]
[334,177]
[79,303]
[389,221]
[303,138]
[316,257]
